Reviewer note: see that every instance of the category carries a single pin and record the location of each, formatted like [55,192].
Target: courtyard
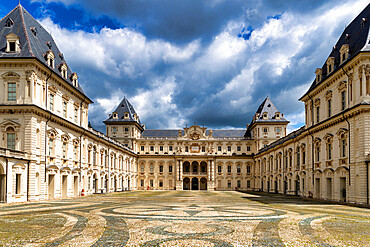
[183,218]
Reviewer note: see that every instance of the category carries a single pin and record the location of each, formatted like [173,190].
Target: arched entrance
[2,184]
[186,167]
[203,167]
[297,186]
[186,184]
[194,167]
[203,184]
[195,184]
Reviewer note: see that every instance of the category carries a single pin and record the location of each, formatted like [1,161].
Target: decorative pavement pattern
[183,218]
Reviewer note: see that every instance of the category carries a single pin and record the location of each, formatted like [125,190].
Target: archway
[186,184]
[2,184]
[203,184]
[194,167]
[95,183]
[186,166]
[203,167]
[195,184]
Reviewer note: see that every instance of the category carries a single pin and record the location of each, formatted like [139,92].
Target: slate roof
[357,36]
[270,108]
[34,40]
[173,134]
[122,108]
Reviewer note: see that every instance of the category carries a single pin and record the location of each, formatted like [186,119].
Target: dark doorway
[186,184]
[195,184]
[203,184]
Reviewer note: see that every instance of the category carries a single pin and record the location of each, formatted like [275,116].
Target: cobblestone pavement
[183,218]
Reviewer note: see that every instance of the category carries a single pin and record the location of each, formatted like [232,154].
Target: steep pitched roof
[357,36]
[34,40]
[124,107]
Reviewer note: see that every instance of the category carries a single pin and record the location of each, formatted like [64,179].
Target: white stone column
[209,164]
[363,83]
[181,171]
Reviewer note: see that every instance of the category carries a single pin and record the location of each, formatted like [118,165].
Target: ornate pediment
[10,76]
[9,123]
[194,132]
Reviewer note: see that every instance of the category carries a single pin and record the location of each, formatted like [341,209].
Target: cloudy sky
[186,61]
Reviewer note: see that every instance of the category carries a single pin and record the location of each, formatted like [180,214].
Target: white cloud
[119,52]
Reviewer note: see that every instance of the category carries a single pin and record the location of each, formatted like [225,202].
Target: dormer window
[9,22]
[63,70]
[126,115]
[115,115]
[50,58]
[330,64]
[74,79]
[318,73]
[264,115]
[12,43]
[277,115]
[344,53]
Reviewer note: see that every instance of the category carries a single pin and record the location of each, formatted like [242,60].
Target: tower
[124,124]
[268,124]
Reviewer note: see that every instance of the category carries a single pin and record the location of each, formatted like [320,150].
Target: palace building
[48,151]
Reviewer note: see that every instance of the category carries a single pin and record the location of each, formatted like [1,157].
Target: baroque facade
[48,151]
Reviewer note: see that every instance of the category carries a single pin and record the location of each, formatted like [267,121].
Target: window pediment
[52,133]
[9,123]
[342,86]
[65,137]
[10,76]
[328,137]
[341,132]
[76,142]
[329,94]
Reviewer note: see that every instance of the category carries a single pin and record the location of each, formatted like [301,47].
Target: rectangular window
[75,153]
[51,102]
[18,183]
[248,169]
[114,129]
[203,148]
[151,168]
[186,149]
[161,148]
[160,168]
[64,150]
[126,129]
[238,169]
[141,148]
[248,148]
[228,169]
[219,169]
[51,147]
[343,100]
[219,148]
[248,184]
[170,148]
[238,183]
[142,182]
[151,183]
[318,114]
[160,184]
[12,91]
[229,148]
[239,148]
[64,109]
[344,144]
[303,157]
[329,108]
[169,169]
[142,168]
[10,140]
[151,148]
[265,130]
[317,154]
[229,183]
[277,130]
[12,46]
[76,115]
[329,151]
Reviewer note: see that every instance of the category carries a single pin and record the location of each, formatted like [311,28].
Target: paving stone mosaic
[183,218]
